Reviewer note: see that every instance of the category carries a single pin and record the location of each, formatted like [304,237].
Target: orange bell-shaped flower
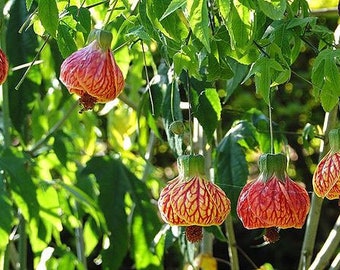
[273,199]
[92,72]
[3,67]
[326,178]
[192,200]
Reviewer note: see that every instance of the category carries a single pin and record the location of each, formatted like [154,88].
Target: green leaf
[49,17]
[240,71]
[21,185]
[173,6]
[266,76]
[301,22]
[240,26]
[145,225]
[187,59]
[262,135]
[82,16]
[20,104]
[225,39]
[91,236]
[199,21]
[65,41]
[29,4]
[171,25]
[224,8]
[218,67]
[208,111]
[86,201]
[113,185]
[274,9]
[8,212]
[308,133]
[326,78]
[231,166]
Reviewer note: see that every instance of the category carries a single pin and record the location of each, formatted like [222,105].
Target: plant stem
[5,254]
[314,214]
[232,245]
[149,155]
[80,246]
[324,256]
[336,263]
[32,64]
[22,245]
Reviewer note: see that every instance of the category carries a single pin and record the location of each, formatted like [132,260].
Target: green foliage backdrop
[80,190]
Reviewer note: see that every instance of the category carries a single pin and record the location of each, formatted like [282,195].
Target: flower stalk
[330,121]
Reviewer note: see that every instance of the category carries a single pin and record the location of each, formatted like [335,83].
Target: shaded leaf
[186,59]
[88,203]
[274,9]
[240,71]
[21,185]
[326,78]
[171,26]
[231,166]
[113,185]
[268,72]
[65,41]
[199,21]
[20,101]
[208,111]
[8,212]
[173,6]
[48,15]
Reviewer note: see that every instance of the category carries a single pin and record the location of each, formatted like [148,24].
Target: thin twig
[245,255]
[111,12]
[32,63]
[52,130]
[271,126]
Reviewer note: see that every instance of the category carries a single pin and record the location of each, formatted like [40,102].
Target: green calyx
[334,140]
[190,166]
[103,37]
[273,164]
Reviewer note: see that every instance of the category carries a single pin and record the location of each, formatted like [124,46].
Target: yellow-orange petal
[199,202]
[165,206]
[273,203]
[327,176]
[3,67]
[94,71]
[244,209]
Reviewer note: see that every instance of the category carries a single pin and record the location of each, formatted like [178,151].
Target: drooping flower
[273,200]
[3,67]
[191,200]
[92,72]
[326,178]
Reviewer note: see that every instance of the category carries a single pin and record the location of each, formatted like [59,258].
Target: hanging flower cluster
[273,200]
[191,200]
[92,72]
[3,67]
[326,178]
